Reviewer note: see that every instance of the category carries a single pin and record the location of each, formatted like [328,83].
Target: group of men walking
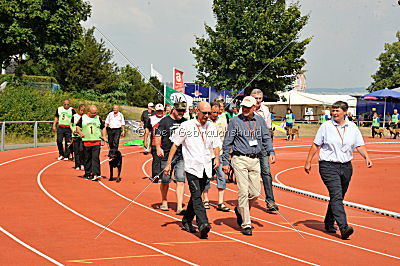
[84,132]
[195,150]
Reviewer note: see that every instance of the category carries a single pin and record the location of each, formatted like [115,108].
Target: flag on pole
[178,80]
[172,96]
[154,73]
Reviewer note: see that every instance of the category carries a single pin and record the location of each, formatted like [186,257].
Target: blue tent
[385,93]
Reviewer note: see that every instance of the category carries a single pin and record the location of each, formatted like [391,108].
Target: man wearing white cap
[150,127]
[247,135]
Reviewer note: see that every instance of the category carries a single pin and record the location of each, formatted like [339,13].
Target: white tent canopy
[308,105]
[301,98]
[396,89]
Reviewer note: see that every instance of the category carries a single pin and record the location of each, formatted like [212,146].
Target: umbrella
[385,93]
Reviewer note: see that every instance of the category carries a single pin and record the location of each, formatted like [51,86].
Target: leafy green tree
[138,92]
[42,29]
[250,34]
[91,71]
[388,74]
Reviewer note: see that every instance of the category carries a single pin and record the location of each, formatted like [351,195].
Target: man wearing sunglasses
[165,129]
[92,131]
[63,117]
[198,138]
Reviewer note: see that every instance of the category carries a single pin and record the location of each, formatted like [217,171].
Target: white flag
[154,73]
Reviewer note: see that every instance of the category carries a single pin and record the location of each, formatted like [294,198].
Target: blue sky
[347,36]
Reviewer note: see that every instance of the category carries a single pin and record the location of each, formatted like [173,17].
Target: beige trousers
[247,171]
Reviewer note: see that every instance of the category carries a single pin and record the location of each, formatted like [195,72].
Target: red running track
[57,215]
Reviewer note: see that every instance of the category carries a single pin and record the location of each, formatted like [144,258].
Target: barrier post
[3,136]
[35,135]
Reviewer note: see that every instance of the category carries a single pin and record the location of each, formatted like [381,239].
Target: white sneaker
[66,159]
[60,158]
[96,178]
[77,168]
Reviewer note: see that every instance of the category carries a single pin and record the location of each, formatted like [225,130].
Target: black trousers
[336,177]
[113,137]
[156,164]
[195,205]
[78,151]
[92,160]
[63,133]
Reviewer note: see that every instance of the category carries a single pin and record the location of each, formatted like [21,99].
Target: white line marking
[219,234]
[29,247]
[25,157]
[332,240]
[100,225]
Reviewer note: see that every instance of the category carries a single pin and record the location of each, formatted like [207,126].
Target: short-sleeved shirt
[115,120]
[95,142]
[146,115]
[197,142]
[152,124]
[166,128]
[58,115]
[338,142]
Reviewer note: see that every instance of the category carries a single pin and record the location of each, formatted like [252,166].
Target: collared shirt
[197,141]
[239,134]
[263,111]
[115,120]
[338,142]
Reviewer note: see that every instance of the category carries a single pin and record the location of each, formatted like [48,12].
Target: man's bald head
[115,108]
[201,106]
[93,110]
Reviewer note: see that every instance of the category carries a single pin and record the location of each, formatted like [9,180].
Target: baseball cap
[159,107]
[248,101]
[150,105]
[180,105]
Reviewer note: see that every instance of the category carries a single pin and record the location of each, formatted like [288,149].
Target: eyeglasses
[258,98]
[206,113]
[181,110]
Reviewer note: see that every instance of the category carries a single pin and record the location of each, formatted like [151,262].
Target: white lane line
[100,225]
[219,234]
[29,247]
[347,203]
[321,237]
[25,157]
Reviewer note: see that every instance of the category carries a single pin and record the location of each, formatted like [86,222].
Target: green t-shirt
[375,122]
[289,118]
[322,119]
[64,116]
[75,120]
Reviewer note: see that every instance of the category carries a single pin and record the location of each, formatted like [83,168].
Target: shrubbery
[20,103]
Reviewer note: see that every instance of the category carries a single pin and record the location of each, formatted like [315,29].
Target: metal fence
[131,125]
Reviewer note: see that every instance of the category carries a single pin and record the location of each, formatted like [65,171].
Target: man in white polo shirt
[115,125]
[336,140]
[197,136]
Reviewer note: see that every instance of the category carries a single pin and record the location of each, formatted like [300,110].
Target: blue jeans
[221,180]
[178,167]
[266,177]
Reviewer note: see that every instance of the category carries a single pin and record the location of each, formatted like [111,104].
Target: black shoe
[330,228]
[348,231]
[239,218]
[188,227]
[204,229]
[111,179]
[247,231]
[271,206]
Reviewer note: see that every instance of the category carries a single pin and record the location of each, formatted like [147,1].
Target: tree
[138,92]
[41,29]
[388,74]
[250,34]
[91,70]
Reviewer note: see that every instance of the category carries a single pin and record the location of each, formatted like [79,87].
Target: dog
[115,161]
[271,132]
[291,132]
[393,131]
[379,131]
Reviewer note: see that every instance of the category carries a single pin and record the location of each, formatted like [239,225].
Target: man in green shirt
[395,121]
[92,131]
[63,117]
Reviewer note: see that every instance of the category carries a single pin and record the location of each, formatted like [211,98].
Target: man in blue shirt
[248,136]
